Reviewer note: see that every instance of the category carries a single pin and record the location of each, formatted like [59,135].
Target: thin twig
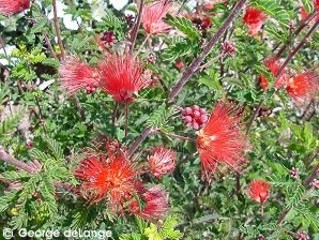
[79,107]
[303,24]
[48,42]
[177,136]
[143,43]
[126,110]
[138,141]
[57,28]
[189,72]
[115,112]
[19,164]
[297,48]
[136,26]
[255,115]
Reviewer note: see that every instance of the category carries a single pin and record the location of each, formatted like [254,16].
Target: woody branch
[189,72]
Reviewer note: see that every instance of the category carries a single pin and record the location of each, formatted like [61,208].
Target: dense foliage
[203,127]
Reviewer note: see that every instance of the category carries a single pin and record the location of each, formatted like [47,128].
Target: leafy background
[283,138]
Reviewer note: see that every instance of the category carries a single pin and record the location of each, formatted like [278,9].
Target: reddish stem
[11,160]
[138,141]
[137,26]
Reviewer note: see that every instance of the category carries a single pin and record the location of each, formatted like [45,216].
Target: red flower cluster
[273,65]
[115,179]
[152,17]
[121,76]
[194,117]
[8,7]
[162,162]
[155,204]
[258,190]
[303,87]
[221,140]
[254,19]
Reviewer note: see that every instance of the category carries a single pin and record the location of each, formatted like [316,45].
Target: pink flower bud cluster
[194,117]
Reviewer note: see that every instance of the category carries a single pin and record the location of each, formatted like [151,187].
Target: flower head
[273,65]
[113,178]
[258,190]
[221,140]
[108,38]
[162,162]
[254,19]
[302,235]
[76,75]
[122,76]
[155,201]
[228,48]
[8,7]
[303,87]
[152,16]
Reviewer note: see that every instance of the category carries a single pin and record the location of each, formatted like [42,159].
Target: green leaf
[185,26]
[55,148]
[36,154]
[160,116]
[4,92]
[7,199]
[15,175]
[178,50]
[273,9]
[10,124]
[308,5]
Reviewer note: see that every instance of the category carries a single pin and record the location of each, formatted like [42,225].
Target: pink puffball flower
[162,162]
[75,75]
[152,17]
[155,204]
[9,7]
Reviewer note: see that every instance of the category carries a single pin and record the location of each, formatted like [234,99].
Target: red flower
[152,17]
[162,162]
[273,65]
[76,75]
[113,179]
[8,7]
[303,88]
[258,190]
[221,140]
[155,202]
[254,19]
[122,77]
